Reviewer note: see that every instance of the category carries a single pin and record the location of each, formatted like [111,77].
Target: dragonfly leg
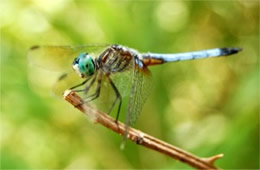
[81,84]
[86,89]
[97,92]
[118,97]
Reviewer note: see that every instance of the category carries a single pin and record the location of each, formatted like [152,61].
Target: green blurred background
[205,106]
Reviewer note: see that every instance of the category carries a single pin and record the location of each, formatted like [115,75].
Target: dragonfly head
[84,65]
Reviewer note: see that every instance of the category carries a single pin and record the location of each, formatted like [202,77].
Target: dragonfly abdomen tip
[229,51]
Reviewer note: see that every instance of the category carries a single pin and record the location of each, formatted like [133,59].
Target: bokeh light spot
[172,16]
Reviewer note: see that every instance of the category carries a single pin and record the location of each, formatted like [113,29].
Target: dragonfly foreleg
[81,84]
[118,97]
[97,92]
[86,89]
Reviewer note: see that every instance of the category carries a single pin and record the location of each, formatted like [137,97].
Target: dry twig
[144,139]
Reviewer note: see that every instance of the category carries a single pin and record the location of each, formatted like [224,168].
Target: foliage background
[206,106]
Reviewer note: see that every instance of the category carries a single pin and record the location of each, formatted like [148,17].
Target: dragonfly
[112,70]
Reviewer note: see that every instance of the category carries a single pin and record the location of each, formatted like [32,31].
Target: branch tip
[211,160]
[66,93]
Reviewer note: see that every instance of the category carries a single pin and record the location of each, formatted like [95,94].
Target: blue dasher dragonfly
[112,70]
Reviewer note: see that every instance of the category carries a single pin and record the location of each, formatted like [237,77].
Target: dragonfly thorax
[84,65]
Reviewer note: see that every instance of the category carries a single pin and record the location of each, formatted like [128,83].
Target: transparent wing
[123,80]
[60,58]
[134,81]
[102,103]
[65,82]
[106,96]
[107,100]
[141,85]
[100,95]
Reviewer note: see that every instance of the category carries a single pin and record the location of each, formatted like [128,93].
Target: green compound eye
[89,66]
[85,64]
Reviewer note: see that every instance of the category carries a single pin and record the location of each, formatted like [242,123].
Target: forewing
[60,58]
[65,82]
